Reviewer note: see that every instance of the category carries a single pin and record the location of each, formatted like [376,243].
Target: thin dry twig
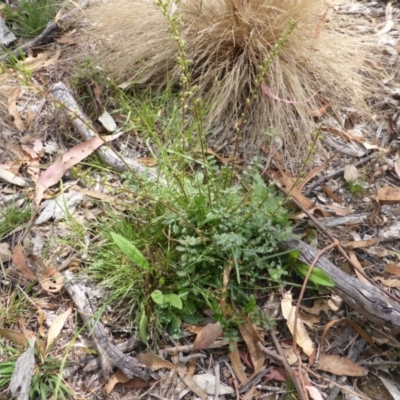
[282,359]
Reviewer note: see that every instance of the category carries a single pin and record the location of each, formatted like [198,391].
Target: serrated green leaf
[157,297]
[317,276]
[131,251]
[144,322]
[174,300]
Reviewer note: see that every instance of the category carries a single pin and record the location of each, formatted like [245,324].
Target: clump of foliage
[29,17]
[182,238]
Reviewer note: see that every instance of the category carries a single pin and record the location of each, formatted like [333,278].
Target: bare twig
[110,355]
[285,364]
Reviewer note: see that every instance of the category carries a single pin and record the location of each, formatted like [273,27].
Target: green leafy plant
[174,259]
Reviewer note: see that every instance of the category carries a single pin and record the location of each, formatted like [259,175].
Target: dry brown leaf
[312,174]
[57,326]
[388,195]
[196,329]
[251,338]
[95,194]
[41,317]
[51,280]
[251,394]
[209,334]
[360,244]
[14,336]
[154,362]
[19,260]
[355,261]
[290,355]
[55,172]
[320,111]
[302,338]
[335,302]
[236,363]
[65,40]
[391,283]
[309,320]
[341,366]
[332,195]
[147,161]
[224,160]
[118,377]
[285,181]
[12,109]
[393,269]
[352,324]
[314,393]
[319,306]
[125,382]
[190,383]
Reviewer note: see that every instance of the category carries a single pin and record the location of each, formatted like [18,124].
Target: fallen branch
[110,355]
[369,300]
[84,127]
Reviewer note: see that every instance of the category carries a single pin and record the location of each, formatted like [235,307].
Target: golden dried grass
[227,42]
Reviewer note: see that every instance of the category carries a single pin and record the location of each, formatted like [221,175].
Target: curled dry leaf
[125,382]
[41,317]
[359,244]
[57,326]
[15,337]
[236,363]
[51,280]
[12,109]
[209,334]
[147,161]
[302,338]
[314,393]
[154,362]
[251,338]
[19,260]
[388,195]
[393,269]
[341,366]
[55,172]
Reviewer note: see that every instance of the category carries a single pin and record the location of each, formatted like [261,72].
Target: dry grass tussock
[227,42]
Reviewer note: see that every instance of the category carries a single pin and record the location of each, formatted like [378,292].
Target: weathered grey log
[110,355]
[369,300]
[6,37]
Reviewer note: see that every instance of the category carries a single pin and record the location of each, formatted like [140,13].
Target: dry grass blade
[227,41]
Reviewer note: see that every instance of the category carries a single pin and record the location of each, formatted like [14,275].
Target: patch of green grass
[357,188]
[13,216]
[31,16]
[45,379]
